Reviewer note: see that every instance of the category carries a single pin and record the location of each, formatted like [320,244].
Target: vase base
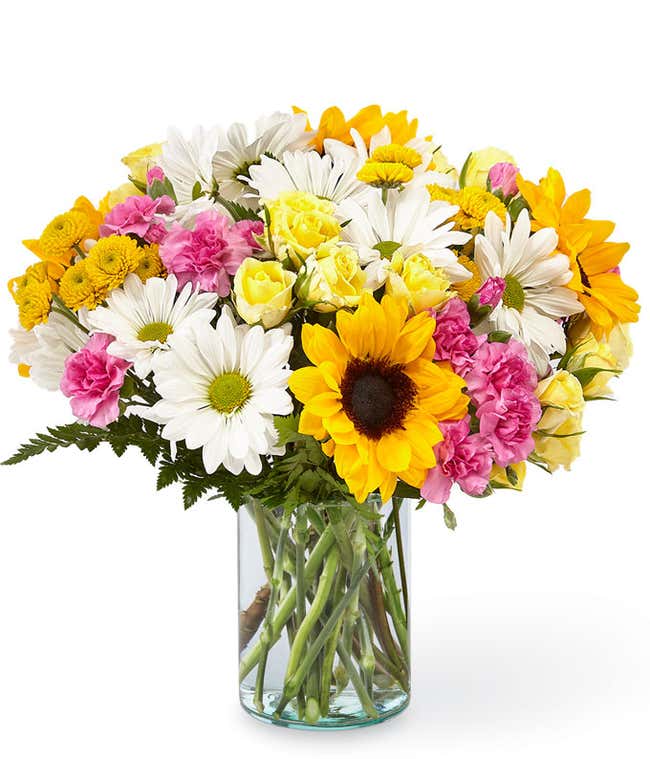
[344,713]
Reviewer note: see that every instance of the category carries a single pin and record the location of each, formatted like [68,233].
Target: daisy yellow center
[229,392]
[376,396]
[159,331]
[513,295]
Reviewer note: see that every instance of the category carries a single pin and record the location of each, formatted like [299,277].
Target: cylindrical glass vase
[324,615]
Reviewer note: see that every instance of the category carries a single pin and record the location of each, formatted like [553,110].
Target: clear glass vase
[324,617]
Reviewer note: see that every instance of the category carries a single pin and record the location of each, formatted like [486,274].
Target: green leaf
[511,476]
[167,474]
[449,517]
[463,172]
[585,375]
[197,191]
[499,336]
[237,211]
[386,248]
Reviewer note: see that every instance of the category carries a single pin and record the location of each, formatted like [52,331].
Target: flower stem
[292,685]
[285,609]
[264,540]
[266,636]
[315,610]
[367,657]
[329,652]
[400,553]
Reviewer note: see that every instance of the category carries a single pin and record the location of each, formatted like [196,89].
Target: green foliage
[237,211]
[157,189]
[499,336]
[587,373]
[125,432]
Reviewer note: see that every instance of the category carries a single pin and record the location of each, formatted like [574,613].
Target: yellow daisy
[374,396]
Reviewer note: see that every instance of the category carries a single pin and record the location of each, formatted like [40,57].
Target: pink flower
[499,367]
[462,458]
[455,341]
[507,422]
[503,176]
[491,291]
[249,229]
[210,254]
[92,379]
[138,215]
[155,173]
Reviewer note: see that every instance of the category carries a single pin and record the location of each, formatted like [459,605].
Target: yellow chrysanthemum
[368,122]
[76,289]
[384,175]
[466,289]
[374,396]
[473,202]
[62,238]
[389,166]
[36,273]
[150,264]
[34,302]
[111,260]
[606,298]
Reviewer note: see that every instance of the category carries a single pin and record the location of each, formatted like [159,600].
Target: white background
[531,623]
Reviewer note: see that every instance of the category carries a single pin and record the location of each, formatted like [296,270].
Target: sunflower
[374,396]
[607,300]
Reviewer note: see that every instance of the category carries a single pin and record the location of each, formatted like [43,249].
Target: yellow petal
[307,382]
[413,339]
[324,404]
[309,424]
[322,344]
[394,452]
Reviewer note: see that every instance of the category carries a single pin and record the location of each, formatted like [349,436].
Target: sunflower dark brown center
[376,396]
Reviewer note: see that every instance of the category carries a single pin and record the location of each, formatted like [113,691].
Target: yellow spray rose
[263,292]
[557,440]
[141,160]
[498,476]
[300,224]
[589,353]
[333,278]
[478,165]
[418,281]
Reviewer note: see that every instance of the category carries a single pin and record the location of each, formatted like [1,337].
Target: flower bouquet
[325,326]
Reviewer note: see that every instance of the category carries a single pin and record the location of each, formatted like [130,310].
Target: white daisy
[142,316]
[45,348]
[220,388]
[188,161]
[408,222]
[535,297]
[273,136]
[332,176]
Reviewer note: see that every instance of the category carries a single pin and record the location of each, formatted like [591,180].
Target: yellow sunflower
[374,396]
[594,260]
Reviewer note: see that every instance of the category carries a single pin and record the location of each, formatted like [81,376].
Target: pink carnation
[155,173]
[507,422]
[210,254]
[138,215]
[491,291]
[462,458]
[499,367]
[92,379]
[503,176]
[455,341]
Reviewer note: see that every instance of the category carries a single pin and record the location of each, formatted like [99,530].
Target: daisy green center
[159,331]
[229,392]
[513,295]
